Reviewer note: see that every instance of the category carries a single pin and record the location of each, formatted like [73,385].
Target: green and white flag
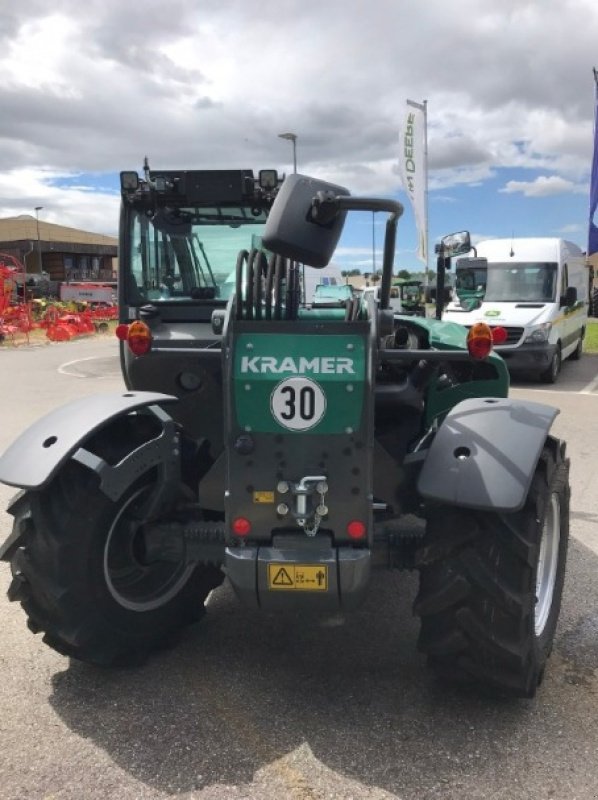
[413,169]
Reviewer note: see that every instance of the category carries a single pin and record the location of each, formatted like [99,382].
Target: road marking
[62,369]
[591,387]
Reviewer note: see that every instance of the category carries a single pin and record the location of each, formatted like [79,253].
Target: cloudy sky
[89,89]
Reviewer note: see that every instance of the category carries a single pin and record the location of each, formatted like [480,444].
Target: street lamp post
[39,247]
[291,137]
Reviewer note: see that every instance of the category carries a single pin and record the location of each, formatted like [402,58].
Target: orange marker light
[479,340]
[356,529]
[139,338]
[241,526]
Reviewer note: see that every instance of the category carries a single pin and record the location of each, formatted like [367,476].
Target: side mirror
[455,244]
[304,223]
[570,297]
[472,263]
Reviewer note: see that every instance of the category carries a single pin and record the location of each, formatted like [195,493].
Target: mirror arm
[440,283]
[396,210]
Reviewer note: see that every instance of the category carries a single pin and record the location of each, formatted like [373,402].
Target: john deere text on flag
[413,169]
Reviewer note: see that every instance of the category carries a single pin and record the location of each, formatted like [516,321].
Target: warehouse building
[65,254]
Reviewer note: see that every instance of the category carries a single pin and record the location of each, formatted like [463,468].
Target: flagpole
[426,280]
[592,248]
[592,229]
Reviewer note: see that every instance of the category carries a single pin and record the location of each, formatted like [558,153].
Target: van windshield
[533,282]
[189,253]
[471,279]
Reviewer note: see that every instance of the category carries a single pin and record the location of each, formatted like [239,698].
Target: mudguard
[33,459]
[485,453]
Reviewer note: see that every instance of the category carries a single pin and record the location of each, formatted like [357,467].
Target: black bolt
[244,444]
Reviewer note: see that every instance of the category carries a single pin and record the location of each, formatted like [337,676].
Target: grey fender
[485,453]
[34,458]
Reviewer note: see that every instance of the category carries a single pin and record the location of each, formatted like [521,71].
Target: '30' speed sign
[298,403]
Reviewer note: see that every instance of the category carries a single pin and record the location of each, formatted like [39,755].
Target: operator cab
[181,232]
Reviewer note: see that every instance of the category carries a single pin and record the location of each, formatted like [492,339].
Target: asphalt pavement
[262,707]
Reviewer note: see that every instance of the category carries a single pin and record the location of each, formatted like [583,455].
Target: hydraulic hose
[242,260]
[258,267]
[269,286]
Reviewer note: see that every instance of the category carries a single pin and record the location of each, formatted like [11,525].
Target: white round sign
[298,403]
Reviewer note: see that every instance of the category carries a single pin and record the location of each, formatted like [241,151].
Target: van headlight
[540,333]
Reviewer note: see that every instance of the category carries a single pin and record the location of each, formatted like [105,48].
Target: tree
[404,274]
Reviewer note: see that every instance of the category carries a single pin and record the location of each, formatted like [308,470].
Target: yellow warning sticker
[298,577]
[263,497]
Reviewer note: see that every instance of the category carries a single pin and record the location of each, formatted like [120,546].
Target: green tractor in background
[411,293]
[471,275]
[295,449]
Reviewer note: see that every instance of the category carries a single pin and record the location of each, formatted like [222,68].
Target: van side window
[564,280]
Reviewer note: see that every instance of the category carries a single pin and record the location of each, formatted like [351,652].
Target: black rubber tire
[577,353]
[551,375]
[477,595]
[57,550]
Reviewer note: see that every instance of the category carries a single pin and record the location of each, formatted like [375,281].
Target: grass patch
[590,344]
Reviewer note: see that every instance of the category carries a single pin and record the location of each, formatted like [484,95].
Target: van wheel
[552,373]
[576,354]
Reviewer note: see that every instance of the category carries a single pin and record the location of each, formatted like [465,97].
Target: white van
[311,277]
[536,289]
[394,300]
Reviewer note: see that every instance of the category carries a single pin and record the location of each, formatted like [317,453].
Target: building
[66,254]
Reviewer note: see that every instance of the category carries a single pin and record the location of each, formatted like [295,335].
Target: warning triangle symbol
[282,578]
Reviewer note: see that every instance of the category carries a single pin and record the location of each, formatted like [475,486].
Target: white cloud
[74,206]
[543,186]
[211,85]
[573,228]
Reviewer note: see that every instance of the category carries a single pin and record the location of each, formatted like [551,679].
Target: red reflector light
[499,335]
[241,526]
[139,338]
[122,331]
[479,340]
[356,529]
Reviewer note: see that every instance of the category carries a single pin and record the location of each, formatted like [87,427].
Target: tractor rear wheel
[491,585]
[81,574]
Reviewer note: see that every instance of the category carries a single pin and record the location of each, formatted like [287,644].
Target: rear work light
[137,335]
[479,340]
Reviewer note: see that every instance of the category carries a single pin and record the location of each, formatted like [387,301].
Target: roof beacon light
[479,341]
